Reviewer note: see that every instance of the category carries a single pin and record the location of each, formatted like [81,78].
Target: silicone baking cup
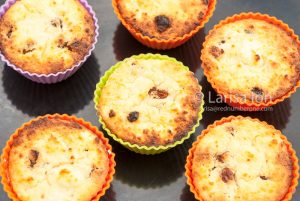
[5,154]
[189,163]
[169,43]
[238,102]
[149,150]
[53,77]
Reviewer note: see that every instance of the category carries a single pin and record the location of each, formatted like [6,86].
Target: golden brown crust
[163,19]
[46,43]
[150,102]
[242,160]
[52,157]
[252,60]
[42,124]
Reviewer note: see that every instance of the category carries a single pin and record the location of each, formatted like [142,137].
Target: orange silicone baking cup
[5,154]
[238,102]
[169,43]
[189,163]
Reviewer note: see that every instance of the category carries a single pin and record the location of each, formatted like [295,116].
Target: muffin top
[163,19]
[46,36]
[150,101]
[55,158]
[242,160]
[252,59]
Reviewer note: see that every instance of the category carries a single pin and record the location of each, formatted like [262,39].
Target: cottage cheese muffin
[150,101]
[242,160]
[46,36]
[163,19]
[252,60]
[55,159]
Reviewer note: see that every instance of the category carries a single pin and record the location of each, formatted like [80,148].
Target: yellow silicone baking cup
[149,150]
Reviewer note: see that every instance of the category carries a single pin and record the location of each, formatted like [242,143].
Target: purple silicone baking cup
[53,77]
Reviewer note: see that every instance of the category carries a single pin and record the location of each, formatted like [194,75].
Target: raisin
[216,52]
[157,93]
[29,47]
[205,2]
[25,51]
[293,55]
[223,41]
[200,16]
[249,29]
[63,45]
[57,23]
[111,113]
[257,91]
[230,130]
[133,116]
[77,46]
[221,157]
[257,57]
[94,169]
[162,23]
[227,175]
[9,32]
[33,157]
[264,177]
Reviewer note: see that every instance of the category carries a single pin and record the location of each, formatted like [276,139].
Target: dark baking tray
[138,177]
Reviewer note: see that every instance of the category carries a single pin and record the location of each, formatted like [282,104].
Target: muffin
[57,157]
[149,102]
[168,21]
[252,60]
[242,159]
[47,37]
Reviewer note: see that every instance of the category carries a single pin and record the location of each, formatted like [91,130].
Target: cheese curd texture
[163,19]
[55,159]
[47,36]
[150,101]
[242,160]
[252,59]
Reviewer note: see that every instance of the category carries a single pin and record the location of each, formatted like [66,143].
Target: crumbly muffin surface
[242,160]
[150,102]
[57,159]
[163,19]
[47,36]
[252,59]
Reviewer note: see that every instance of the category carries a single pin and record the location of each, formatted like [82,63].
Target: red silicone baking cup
[164,44]
[189,163]
[5,154]
[238,102]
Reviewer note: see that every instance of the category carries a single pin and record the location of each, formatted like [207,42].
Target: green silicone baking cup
[148,150]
